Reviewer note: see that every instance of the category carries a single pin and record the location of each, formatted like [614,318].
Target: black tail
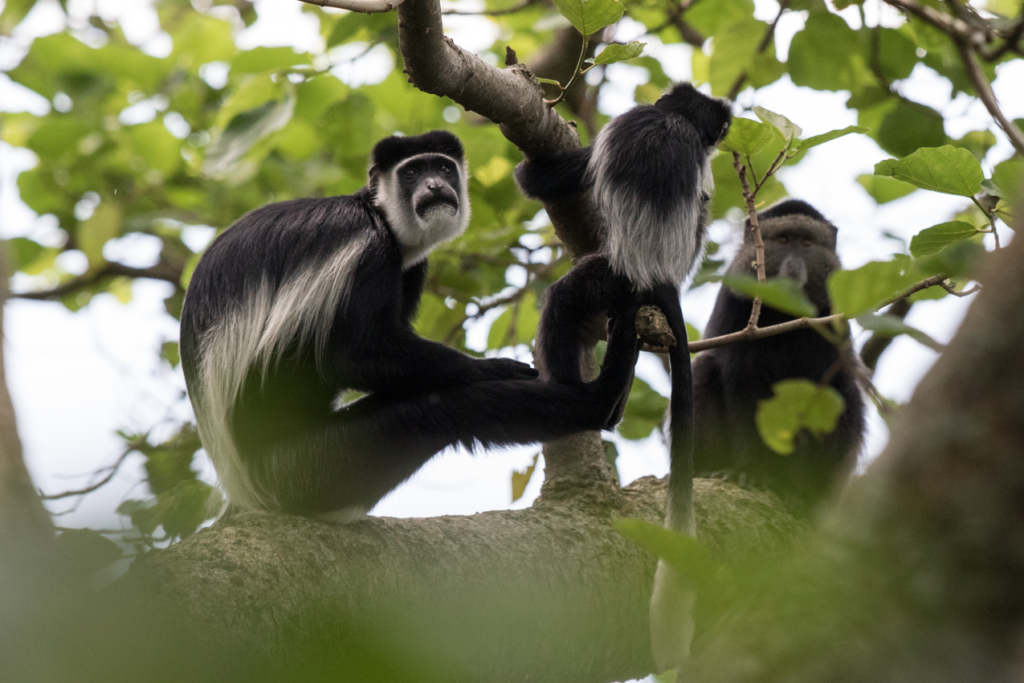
[679,514]
[556,176]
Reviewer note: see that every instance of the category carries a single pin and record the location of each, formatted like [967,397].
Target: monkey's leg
[572,307]
[372,446]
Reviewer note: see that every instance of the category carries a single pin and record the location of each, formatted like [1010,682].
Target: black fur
[302,454]
[391,150]
[729,381]
[647,168]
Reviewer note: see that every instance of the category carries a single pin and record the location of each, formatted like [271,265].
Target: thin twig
[755,228]
[111,471]
[820,324]
[490,12]
[988,98]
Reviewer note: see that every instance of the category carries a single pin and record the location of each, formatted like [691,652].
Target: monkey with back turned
[728,381]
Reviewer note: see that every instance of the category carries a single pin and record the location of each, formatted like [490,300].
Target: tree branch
[161,271]
[478,592]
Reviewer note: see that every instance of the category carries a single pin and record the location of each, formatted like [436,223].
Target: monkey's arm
[556,176]
[373,347]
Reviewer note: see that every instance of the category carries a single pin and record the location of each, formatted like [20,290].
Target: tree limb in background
[970,41]
[22,515]
[161,271]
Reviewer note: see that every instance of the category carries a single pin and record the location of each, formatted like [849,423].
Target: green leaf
[590,16]
[977,142]
[897,53]
[262,59]
[619,53]
[547,81]
[816,140]
[884,190]
[797,404]
[517,325]
[856,291]
[940,169]
[200,39]
[735,50]
[169,352]
[789,130]
[990,188]
[94,232]
[645,411]
[712,17]
[1009,176]
[685,554]
[156,146]
[909,126]
[820,55]
[14,11]
[886,325]
[781,294]
[748,137]
[521,479]
[936,238]
[244,131]
[23,252]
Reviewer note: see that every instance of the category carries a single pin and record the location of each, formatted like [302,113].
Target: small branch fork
[749,197]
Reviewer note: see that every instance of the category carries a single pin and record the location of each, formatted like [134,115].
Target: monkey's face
[425,201]
[798,248]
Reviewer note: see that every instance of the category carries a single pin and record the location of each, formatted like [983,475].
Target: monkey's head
[420,184]
[709,115]
[799,244]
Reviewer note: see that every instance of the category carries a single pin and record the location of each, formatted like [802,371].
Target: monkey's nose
[794,268]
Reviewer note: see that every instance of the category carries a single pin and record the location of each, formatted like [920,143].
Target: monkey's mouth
[435,204]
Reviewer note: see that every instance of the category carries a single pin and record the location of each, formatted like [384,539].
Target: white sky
[78,377]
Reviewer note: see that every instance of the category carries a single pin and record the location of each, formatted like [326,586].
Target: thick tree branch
[551,593]
[510,97]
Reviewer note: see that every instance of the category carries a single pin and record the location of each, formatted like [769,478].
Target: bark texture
[552,593]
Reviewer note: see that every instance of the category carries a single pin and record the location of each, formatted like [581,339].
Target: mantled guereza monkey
[302,300]
[650,174]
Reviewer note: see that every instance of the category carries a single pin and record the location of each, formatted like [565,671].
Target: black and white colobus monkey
[729,381]
[303,299]
[650,173]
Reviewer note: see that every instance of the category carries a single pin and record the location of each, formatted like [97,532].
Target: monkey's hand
[506,368]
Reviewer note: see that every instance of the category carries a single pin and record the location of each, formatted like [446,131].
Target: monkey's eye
[410,173]
[805,242]
[783,240]
[444,168]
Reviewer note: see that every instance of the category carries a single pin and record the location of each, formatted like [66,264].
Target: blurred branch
[971,36]
[762,46]
[111,470]
[161,271]
[491,12]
